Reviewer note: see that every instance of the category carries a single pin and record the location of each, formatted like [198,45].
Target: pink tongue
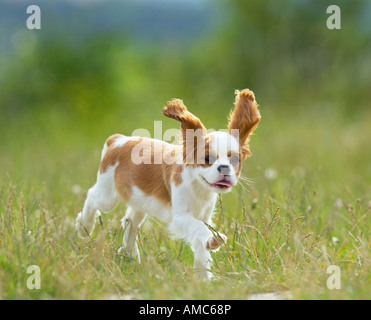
[223,183]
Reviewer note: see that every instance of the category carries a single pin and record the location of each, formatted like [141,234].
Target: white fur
[101,197]
[120,141]
[155,208]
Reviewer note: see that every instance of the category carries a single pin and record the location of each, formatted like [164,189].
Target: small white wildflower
[335,240]
[270,174]
[338,203]
[76,189]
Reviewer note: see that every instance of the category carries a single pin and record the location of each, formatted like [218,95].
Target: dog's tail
[109,142]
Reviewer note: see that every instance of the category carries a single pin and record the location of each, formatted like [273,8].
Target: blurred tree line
[280,49]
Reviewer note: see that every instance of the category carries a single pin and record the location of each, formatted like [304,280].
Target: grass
[307,208]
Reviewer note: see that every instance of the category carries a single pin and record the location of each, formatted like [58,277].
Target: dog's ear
[175,109]
[193,131]
[244,119]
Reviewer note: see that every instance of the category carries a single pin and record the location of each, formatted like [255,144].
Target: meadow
[305,206]
[308,207]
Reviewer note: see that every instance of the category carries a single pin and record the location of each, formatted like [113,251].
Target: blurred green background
[101,67]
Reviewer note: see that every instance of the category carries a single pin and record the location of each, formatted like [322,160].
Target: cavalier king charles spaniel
[175,183]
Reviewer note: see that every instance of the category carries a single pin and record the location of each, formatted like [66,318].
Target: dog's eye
[209,159]
[235,160]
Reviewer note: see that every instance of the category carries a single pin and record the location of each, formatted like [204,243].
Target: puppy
[177,184]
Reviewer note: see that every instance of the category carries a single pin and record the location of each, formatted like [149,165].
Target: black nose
[224,170]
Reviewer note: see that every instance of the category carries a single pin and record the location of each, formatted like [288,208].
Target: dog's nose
[224,170]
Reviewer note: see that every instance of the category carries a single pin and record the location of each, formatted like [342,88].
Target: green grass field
[307,208]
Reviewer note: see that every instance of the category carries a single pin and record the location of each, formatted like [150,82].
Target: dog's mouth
[222,184]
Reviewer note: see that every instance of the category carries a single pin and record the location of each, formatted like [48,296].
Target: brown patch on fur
[177,175]
[152,179]
[112,138]
[200,154]
[245,118]
[238,172]
[238,166]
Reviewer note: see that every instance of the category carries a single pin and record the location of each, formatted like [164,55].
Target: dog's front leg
[195,232]
[202,262]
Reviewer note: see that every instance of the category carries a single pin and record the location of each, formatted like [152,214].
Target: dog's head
[216,158]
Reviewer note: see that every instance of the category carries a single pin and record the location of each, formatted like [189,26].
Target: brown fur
[177,175]
[237,167]
[152,179]
[245,118]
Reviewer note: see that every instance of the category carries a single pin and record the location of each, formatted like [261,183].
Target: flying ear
[191,127]
[175,109]
[244,119]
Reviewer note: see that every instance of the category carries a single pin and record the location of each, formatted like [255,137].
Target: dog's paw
[135,256]
[204,275]
[214,243]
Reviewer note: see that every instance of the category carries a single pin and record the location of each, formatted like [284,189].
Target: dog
[177,184]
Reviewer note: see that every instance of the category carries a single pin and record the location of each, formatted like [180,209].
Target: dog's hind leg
[101,197]
[131,223]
